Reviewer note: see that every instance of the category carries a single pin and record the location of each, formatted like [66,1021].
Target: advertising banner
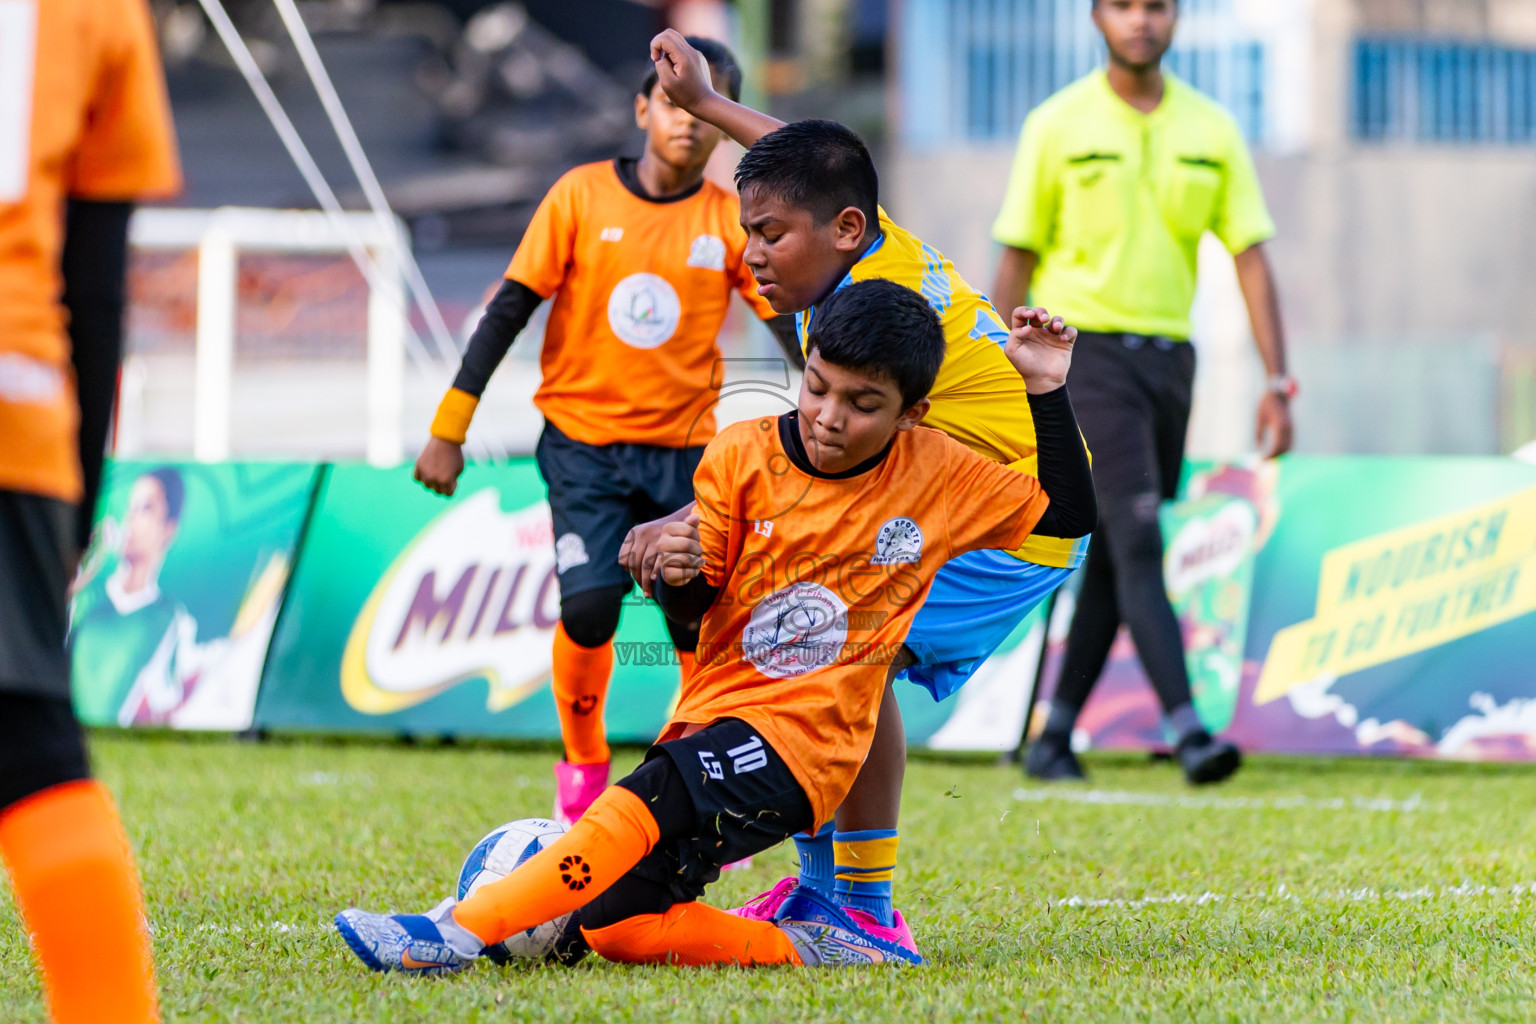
[409,613]
[174,604]
[1337,605]
[1378,605]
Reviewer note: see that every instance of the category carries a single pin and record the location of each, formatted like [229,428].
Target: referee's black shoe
[1050,758]
[1206,760]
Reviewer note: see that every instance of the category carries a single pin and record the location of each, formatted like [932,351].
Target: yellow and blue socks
[865,864]
[817,861]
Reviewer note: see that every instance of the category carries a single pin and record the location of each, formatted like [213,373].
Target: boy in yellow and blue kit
[810,208]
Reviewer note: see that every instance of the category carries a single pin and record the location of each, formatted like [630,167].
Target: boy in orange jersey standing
[640,257]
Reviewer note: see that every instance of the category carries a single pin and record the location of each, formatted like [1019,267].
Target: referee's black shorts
[40,741]
[1132,395]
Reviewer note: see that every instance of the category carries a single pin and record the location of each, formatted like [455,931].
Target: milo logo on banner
[473,596]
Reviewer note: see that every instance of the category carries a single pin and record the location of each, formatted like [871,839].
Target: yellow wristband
[453,415]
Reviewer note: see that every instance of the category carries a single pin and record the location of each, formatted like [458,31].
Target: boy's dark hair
[721,60]
[169,479]
[820,166]
[884,329]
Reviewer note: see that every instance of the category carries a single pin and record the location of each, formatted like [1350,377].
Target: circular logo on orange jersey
[795,630]
[643,310]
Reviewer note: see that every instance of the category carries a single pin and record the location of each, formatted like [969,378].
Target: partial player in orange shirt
[641,258]
[84,131]
[816,538]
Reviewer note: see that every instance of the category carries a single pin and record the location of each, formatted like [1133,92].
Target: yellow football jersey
[979,398]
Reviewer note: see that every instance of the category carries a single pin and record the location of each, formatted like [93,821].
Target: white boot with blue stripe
[430,943]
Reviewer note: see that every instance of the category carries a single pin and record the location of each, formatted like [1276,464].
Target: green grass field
[1304,889]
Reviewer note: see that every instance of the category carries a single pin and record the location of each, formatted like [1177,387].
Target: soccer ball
[495,857]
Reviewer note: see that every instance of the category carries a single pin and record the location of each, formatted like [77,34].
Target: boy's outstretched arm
[442,459]
[684,75]
[1040,348]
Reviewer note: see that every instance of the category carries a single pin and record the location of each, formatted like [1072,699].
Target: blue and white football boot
[825,936]
[430,943]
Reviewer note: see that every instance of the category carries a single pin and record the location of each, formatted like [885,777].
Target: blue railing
[1425,90]
[971,69]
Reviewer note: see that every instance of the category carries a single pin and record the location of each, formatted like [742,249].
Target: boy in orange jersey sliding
[814,542]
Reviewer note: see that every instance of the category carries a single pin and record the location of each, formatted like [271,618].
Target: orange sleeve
[548,248]
[128,147]
[712,487]
[988,505]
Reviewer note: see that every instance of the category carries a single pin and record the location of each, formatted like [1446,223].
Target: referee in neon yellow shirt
[1116,179]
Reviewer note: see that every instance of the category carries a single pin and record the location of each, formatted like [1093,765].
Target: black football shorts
[598,492]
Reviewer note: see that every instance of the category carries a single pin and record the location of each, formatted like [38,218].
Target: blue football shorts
[975,602]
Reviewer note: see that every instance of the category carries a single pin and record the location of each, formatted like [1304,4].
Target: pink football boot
[899,933]
[576,786]
[764,906]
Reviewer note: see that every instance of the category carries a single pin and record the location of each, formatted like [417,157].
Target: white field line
[1281,894]
[1118,797]
[265,927]
[335,779]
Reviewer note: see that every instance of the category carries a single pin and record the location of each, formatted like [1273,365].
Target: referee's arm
[1243,224]
[1015,271]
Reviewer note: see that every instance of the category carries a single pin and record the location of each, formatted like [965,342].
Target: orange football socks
[692,935]
[605,843]
[78,892]
[580,683]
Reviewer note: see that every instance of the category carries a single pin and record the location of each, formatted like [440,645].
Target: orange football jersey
[640,291]
[820,579]
[93,122]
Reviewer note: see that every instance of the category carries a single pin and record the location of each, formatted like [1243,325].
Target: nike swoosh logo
[410,963]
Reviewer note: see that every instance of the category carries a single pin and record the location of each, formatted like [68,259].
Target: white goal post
[219,236]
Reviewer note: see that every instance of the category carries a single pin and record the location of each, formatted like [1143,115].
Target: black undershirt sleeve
[504,319]
[95,266]
[688,603]
[1064,471]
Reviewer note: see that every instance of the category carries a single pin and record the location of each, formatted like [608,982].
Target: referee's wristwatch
[1283,385]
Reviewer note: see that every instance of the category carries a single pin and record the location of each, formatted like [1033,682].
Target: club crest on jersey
[644,310]
[899,541]
[795,630]
[707,252]
[570,551]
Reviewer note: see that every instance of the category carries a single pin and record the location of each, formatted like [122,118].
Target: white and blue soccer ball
[494,858]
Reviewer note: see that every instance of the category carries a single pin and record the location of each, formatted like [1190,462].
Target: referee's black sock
[1186,725]
[1060,720]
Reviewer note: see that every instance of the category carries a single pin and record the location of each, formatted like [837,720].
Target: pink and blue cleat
[826,935]
[766,907]
[576,787]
